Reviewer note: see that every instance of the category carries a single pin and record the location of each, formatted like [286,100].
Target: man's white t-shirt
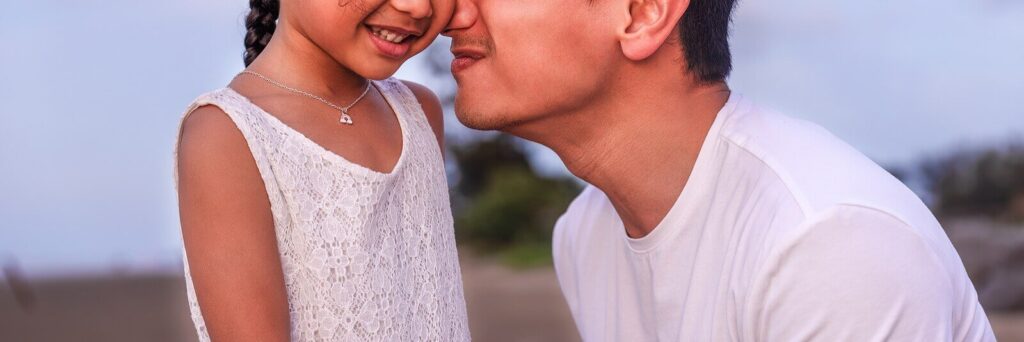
[782,233]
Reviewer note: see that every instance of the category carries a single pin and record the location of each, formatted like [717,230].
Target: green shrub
[502,206]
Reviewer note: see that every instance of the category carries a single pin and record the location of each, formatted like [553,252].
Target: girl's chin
[379,70]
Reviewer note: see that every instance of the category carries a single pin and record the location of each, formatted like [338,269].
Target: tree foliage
[501,205]
[987,182]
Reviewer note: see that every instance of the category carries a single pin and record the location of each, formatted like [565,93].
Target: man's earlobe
[650,22]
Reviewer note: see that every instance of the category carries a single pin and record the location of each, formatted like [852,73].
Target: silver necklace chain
[345,118]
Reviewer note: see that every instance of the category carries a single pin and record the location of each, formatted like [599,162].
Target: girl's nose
[417,9]
[464,18]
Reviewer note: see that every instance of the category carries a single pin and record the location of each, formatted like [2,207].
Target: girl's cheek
[360,8]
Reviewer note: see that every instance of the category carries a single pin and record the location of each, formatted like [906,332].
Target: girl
[314,205]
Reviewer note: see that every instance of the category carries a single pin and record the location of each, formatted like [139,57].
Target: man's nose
[465,16]
[418,9]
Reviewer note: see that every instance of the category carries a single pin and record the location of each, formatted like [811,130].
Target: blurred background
[91,93]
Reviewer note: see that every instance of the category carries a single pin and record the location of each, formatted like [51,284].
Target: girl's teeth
[388,35]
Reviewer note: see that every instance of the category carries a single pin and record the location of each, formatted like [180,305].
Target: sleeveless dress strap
[420,133]
[408,106]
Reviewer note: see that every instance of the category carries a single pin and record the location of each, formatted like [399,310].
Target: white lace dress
[367,256]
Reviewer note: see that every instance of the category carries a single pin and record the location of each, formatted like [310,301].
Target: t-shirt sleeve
[561,255]
[567,234]
[854,274]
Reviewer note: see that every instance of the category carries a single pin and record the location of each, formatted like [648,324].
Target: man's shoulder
[847,224]
[819,169]
[871,272]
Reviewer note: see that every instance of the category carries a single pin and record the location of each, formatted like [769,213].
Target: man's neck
[640,148]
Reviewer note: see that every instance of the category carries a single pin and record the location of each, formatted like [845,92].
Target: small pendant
[345,118]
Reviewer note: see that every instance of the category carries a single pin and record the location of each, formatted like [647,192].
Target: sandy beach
[505,305]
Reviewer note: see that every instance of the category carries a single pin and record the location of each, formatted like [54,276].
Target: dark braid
[260,25]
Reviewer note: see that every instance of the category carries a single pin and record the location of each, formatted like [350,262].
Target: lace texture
[367,256]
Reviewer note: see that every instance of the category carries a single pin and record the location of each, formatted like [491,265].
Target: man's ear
[650,22]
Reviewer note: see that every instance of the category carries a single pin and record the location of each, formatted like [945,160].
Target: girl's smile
[392,41]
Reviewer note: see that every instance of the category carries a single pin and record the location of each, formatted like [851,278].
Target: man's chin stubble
[478,120]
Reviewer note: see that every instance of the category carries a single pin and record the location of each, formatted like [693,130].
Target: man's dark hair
[704,31]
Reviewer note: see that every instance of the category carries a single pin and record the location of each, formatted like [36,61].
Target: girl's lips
[390,49]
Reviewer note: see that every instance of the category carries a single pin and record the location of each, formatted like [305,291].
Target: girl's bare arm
[228,231]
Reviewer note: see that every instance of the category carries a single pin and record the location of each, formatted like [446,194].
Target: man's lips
[465,57]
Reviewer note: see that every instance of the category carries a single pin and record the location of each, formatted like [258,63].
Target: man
[708,218]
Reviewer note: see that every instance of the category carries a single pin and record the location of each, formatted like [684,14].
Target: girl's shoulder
[233,111]
[215,125]
[208,126]
[224,99]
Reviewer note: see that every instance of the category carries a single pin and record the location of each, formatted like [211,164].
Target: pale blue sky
[91,93]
